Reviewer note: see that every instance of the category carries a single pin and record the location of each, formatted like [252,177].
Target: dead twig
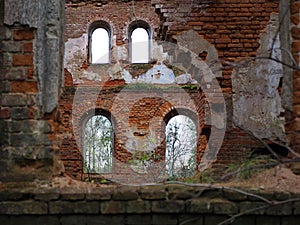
[262,142]
[211,187]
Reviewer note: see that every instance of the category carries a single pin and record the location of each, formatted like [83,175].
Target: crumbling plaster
[76,57]
[257,104]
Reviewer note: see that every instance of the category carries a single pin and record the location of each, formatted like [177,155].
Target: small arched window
[181,139]
[139,38]
[100,36]
[98,145]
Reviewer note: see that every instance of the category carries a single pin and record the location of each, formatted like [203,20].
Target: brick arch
[181,111]
[92,27]
[199,123]
[95,112]
[133,25]
[85,109]
[139,23]
[86,117]
[132,112]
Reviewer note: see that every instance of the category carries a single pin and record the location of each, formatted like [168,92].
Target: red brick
[296,127]
[24,87]
[296,82]
[221,46]
[214,23]
[28,47]
[20,35]
[296,57]
[296,46]
[295,19]
[297,109]
[30,73]
[297,99]
[22,60]
[195,23]
[295,8]
[223,41]
[4,114]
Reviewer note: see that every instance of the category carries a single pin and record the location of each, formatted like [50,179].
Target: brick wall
[118,14]
[27,134]
[134,111]
[31,79]
[294,122]
[233,28]
[156,205]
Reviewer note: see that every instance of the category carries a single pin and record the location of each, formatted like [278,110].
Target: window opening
[139,46]
[181,139]
[100,46]
[98,145]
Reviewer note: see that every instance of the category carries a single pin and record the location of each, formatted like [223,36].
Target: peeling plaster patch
[91,75]
[159,74]
[120,53]
[185,79]
[127,76]
[115,71]
[256,102]
[157,52]
[76,55]
[198,45]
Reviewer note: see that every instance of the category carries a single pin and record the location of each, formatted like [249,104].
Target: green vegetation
[249,167]
[149,86]
[98,146]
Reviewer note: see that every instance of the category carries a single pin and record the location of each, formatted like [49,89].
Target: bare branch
[209,186]
[261,141]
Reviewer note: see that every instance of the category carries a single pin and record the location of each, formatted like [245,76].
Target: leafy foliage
[249,166]
[181,138]
[98,145]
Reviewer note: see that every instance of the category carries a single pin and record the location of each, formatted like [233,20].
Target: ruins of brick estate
[200,64]
[231,66]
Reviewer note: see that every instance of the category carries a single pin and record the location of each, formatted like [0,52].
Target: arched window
[100,36]
[139,38]
[181,139]
[98,145]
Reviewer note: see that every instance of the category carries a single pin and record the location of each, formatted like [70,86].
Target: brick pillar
[30,82]
[25,140]
[294,135]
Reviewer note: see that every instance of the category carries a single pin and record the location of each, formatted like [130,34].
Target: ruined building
[230,66]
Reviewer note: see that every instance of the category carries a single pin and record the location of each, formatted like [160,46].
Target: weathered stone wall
[153,205]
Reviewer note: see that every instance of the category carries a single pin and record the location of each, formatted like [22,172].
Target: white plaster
[256,102]
[159,74]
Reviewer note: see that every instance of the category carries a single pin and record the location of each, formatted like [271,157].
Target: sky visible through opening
[100,46]
[140,46]
[181,138]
